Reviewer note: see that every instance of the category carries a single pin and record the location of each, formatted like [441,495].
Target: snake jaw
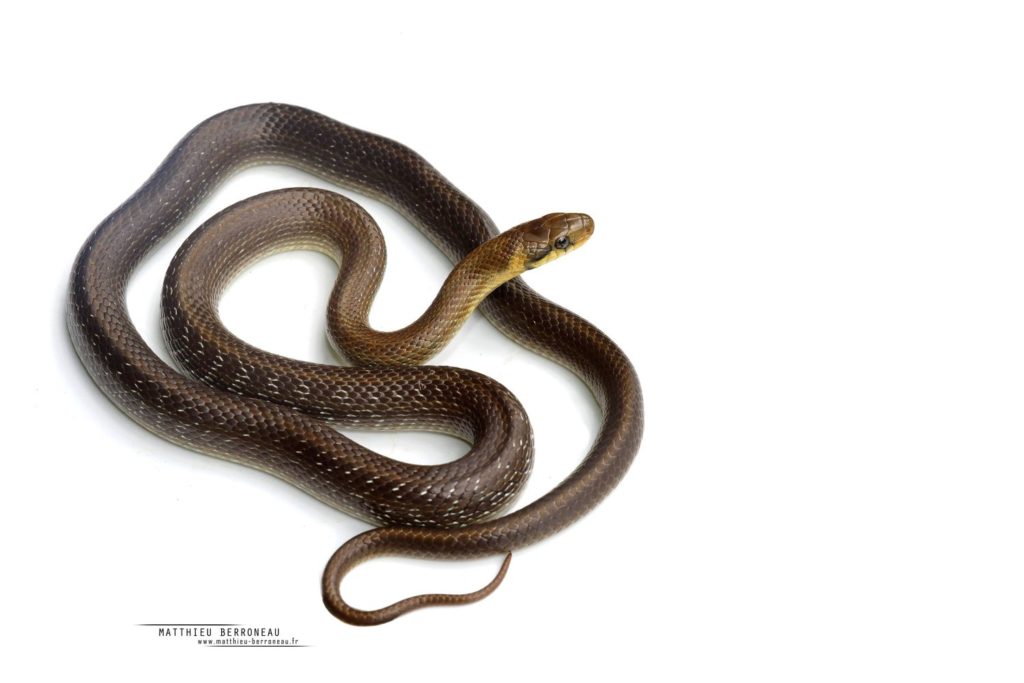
[554,235]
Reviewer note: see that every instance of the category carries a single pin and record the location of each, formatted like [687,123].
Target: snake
[234,401]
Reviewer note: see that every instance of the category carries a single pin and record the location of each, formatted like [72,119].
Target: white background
[810,231]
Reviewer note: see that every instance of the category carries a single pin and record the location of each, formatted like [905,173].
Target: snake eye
[562,242]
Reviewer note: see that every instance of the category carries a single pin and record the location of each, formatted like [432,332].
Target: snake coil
[442,512]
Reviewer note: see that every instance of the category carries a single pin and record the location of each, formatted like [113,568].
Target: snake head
[548,237]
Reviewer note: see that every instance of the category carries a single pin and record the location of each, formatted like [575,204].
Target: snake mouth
[579,228]
[554,235]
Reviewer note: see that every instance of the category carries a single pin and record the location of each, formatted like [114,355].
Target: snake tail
[377,543]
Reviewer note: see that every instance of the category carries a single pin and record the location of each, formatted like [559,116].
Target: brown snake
[275,415]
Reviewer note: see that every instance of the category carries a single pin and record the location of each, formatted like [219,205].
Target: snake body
[275,415]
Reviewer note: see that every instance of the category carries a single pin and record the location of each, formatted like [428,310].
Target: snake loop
[439,512]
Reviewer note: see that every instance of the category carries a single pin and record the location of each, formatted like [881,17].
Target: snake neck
[337,227]
[487,267]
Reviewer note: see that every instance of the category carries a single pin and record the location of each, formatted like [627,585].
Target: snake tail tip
[343,561]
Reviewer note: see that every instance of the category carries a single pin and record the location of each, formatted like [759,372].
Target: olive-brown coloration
[554,235]
[243,423]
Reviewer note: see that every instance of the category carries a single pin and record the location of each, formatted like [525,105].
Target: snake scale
[279,416]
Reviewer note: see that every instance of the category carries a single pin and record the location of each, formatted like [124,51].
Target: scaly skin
[306,451]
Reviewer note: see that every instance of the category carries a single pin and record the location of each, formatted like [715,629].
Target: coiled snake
[274,414]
